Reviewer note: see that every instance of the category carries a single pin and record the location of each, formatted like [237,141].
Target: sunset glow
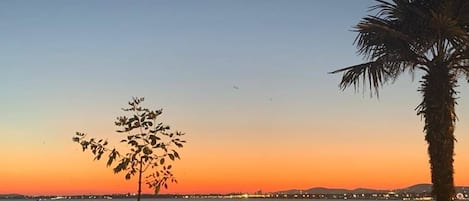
[71,66]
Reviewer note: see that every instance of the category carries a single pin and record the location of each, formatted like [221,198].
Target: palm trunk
[438,110]
[140,181]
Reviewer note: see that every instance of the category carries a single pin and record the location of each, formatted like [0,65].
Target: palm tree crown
[408,35]
[427,35]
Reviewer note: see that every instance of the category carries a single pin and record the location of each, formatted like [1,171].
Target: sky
[247,81]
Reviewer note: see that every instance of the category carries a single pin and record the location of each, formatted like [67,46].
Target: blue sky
[173,49]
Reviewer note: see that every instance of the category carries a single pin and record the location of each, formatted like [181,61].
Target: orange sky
[216,167]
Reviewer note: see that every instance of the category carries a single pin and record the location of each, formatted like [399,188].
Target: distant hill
[323,190]
[9,196]
[367,190]
[418,188]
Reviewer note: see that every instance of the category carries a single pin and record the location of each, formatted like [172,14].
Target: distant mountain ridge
[417,188]
[12,195]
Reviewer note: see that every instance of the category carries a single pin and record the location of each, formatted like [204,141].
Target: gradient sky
[70,66]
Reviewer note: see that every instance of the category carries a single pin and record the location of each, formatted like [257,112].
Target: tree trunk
[437,108]
[140,181]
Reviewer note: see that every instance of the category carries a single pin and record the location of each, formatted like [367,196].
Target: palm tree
[430,36]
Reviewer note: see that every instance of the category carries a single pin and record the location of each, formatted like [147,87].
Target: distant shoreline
[414,192]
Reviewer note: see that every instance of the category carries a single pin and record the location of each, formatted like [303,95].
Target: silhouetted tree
[150,146]
[431,36]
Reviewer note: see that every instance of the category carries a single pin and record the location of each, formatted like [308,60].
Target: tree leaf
[171,156]
[147,151]
[152,140]
[176,154]
[157,189]
[133,143]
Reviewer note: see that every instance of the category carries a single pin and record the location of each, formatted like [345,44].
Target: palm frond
[462,70]
[378,37]
[372,73]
